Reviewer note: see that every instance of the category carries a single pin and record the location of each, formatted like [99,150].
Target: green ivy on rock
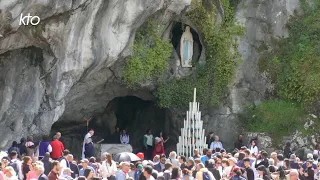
[294,65]
[211,79]
[150,55]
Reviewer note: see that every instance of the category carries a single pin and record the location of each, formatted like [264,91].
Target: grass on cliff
[294,64]
[277,118]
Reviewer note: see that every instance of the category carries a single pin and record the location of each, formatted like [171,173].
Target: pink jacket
[32,175]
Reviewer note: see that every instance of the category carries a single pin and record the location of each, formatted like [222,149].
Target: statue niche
[186,48]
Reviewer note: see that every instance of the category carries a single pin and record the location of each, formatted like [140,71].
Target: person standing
[30,147]
[58,135]
[44,147]
[116,135]
[16,164]
[57,148]
[87,142]
[239,142]
[159,145]
[287,150]
[210,139]
[46,163]
[64,163]
[14,147]
[254,148]
[26,166]
[22,147]
[148,144]
[124,137]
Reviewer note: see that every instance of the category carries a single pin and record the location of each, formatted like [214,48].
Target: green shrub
[211,79]
[294,64]
[277,118]
[150,55]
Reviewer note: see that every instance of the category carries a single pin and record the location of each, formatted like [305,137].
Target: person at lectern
[87,147]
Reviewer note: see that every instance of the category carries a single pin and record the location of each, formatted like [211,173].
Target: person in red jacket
[57,148]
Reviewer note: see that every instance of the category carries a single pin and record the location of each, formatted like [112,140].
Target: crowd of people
[51,161]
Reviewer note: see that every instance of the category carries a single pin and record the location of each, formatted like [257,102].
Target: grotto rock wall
[262,20]
[79,41]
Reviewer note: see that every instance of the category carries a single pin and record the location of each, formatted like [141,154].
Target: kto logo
[25,20]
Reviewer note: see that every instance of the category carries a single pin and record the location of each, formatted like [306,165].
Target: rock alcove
[177,30]
[130,112]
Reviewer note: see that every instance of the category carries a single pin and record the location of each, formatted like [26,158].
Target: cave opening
[177,30]
[126,112]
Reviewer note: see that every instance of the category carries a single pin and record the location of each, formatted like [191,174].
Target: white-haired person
[39,169]
[173,159]
[123,172]
[202,172]
[66,174]
[10,173]
[216,144]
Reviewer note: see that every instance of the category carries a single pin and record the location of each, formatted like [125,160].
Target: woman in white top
[108,168]
[254,148]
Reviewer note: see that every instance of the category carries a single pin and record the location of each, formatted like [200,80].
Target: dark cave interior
[128,112]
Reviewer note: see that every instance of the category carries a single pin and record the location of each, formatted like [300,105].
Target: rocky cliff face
[64,65]
[262,20]
[69,66]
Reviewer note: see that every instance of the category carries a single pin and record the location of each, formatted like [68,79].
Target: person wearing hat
[87,145]
[232,164]
[85,166]
[304,165]
[308,174]
[293,162]
[138,171]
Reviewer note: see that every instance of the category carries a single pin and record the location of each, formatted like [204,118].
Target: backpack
[205,176]
[14,165]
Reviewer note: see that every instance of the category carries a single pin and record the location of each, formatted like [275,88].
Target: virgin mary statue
[186,48]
